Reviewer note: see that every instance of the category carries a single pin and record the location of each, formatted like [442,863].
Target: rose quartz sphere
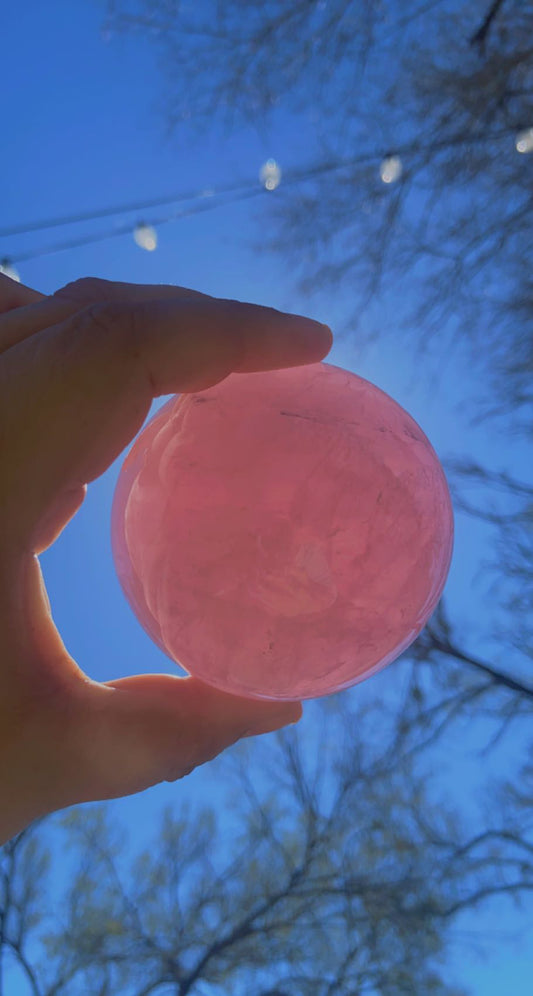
[283,535]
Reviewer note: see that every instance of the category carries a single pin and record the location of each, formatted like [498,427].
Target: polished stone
[283,534]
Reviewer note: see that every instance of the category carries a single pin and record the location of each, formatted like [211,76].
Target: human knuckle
[110,318]
[115,329]
[83,289]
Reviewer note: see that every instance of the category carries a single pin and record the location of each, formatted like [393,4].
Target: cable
[212,198]
[215,200]
[128,228]
[121,209]
[142,205]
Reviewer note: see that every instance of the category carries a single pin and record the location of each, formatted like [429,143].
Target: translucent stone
[283,534]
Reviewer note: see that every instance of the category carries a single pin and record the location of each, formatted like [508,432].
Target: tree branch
[480,36]
[242,930]
[484,893]
[11,849]
[24,963]
[499,677]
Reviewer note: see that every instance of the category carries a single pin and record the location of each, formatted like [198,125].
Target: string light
[270,174]
[9,270]
[145,236]
[391,169]
[205,204]
[210,198]
[524,141]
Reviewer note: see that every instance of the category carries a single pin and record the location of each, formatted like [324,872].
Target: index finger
[35,311]
[82,388]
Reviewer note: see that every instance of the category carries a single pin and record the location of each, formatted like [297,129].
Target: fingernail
[314,338]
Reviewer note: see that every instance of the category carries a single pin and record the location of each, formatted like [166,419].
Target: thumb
[138,731]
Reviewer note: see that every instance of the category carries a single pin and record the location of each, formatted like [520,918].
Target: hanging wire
[210,199]
[128,228]
[71,219]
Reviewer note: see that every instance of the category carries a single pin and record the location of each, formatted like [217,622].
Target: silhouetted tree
[447,87]
[341,872]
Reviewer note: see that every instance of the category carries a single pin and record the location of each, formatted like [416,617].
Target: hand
[78,371]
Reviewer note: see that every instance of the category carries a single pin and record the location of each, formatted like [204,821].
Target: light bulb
[390,169]
[524,140]
[145,237]
[270,174]
[9,270]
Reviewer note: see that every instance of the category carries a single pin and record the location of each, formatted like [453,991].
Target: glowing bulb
[270,175]
[390,169]
[524,140]
[145,237]
[9,271]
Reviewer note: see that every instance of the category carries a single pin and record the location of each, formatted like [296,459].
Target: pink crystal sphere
[284,534]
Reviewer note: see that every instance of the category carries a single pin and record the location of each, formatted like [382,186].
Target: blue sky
[82,130]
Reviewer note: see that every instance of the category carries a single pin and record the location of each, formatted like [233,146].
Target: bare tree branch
[480,36]
[498,677]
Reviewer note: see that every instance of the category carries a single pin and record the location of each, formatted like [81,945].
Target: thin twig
[480,36]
